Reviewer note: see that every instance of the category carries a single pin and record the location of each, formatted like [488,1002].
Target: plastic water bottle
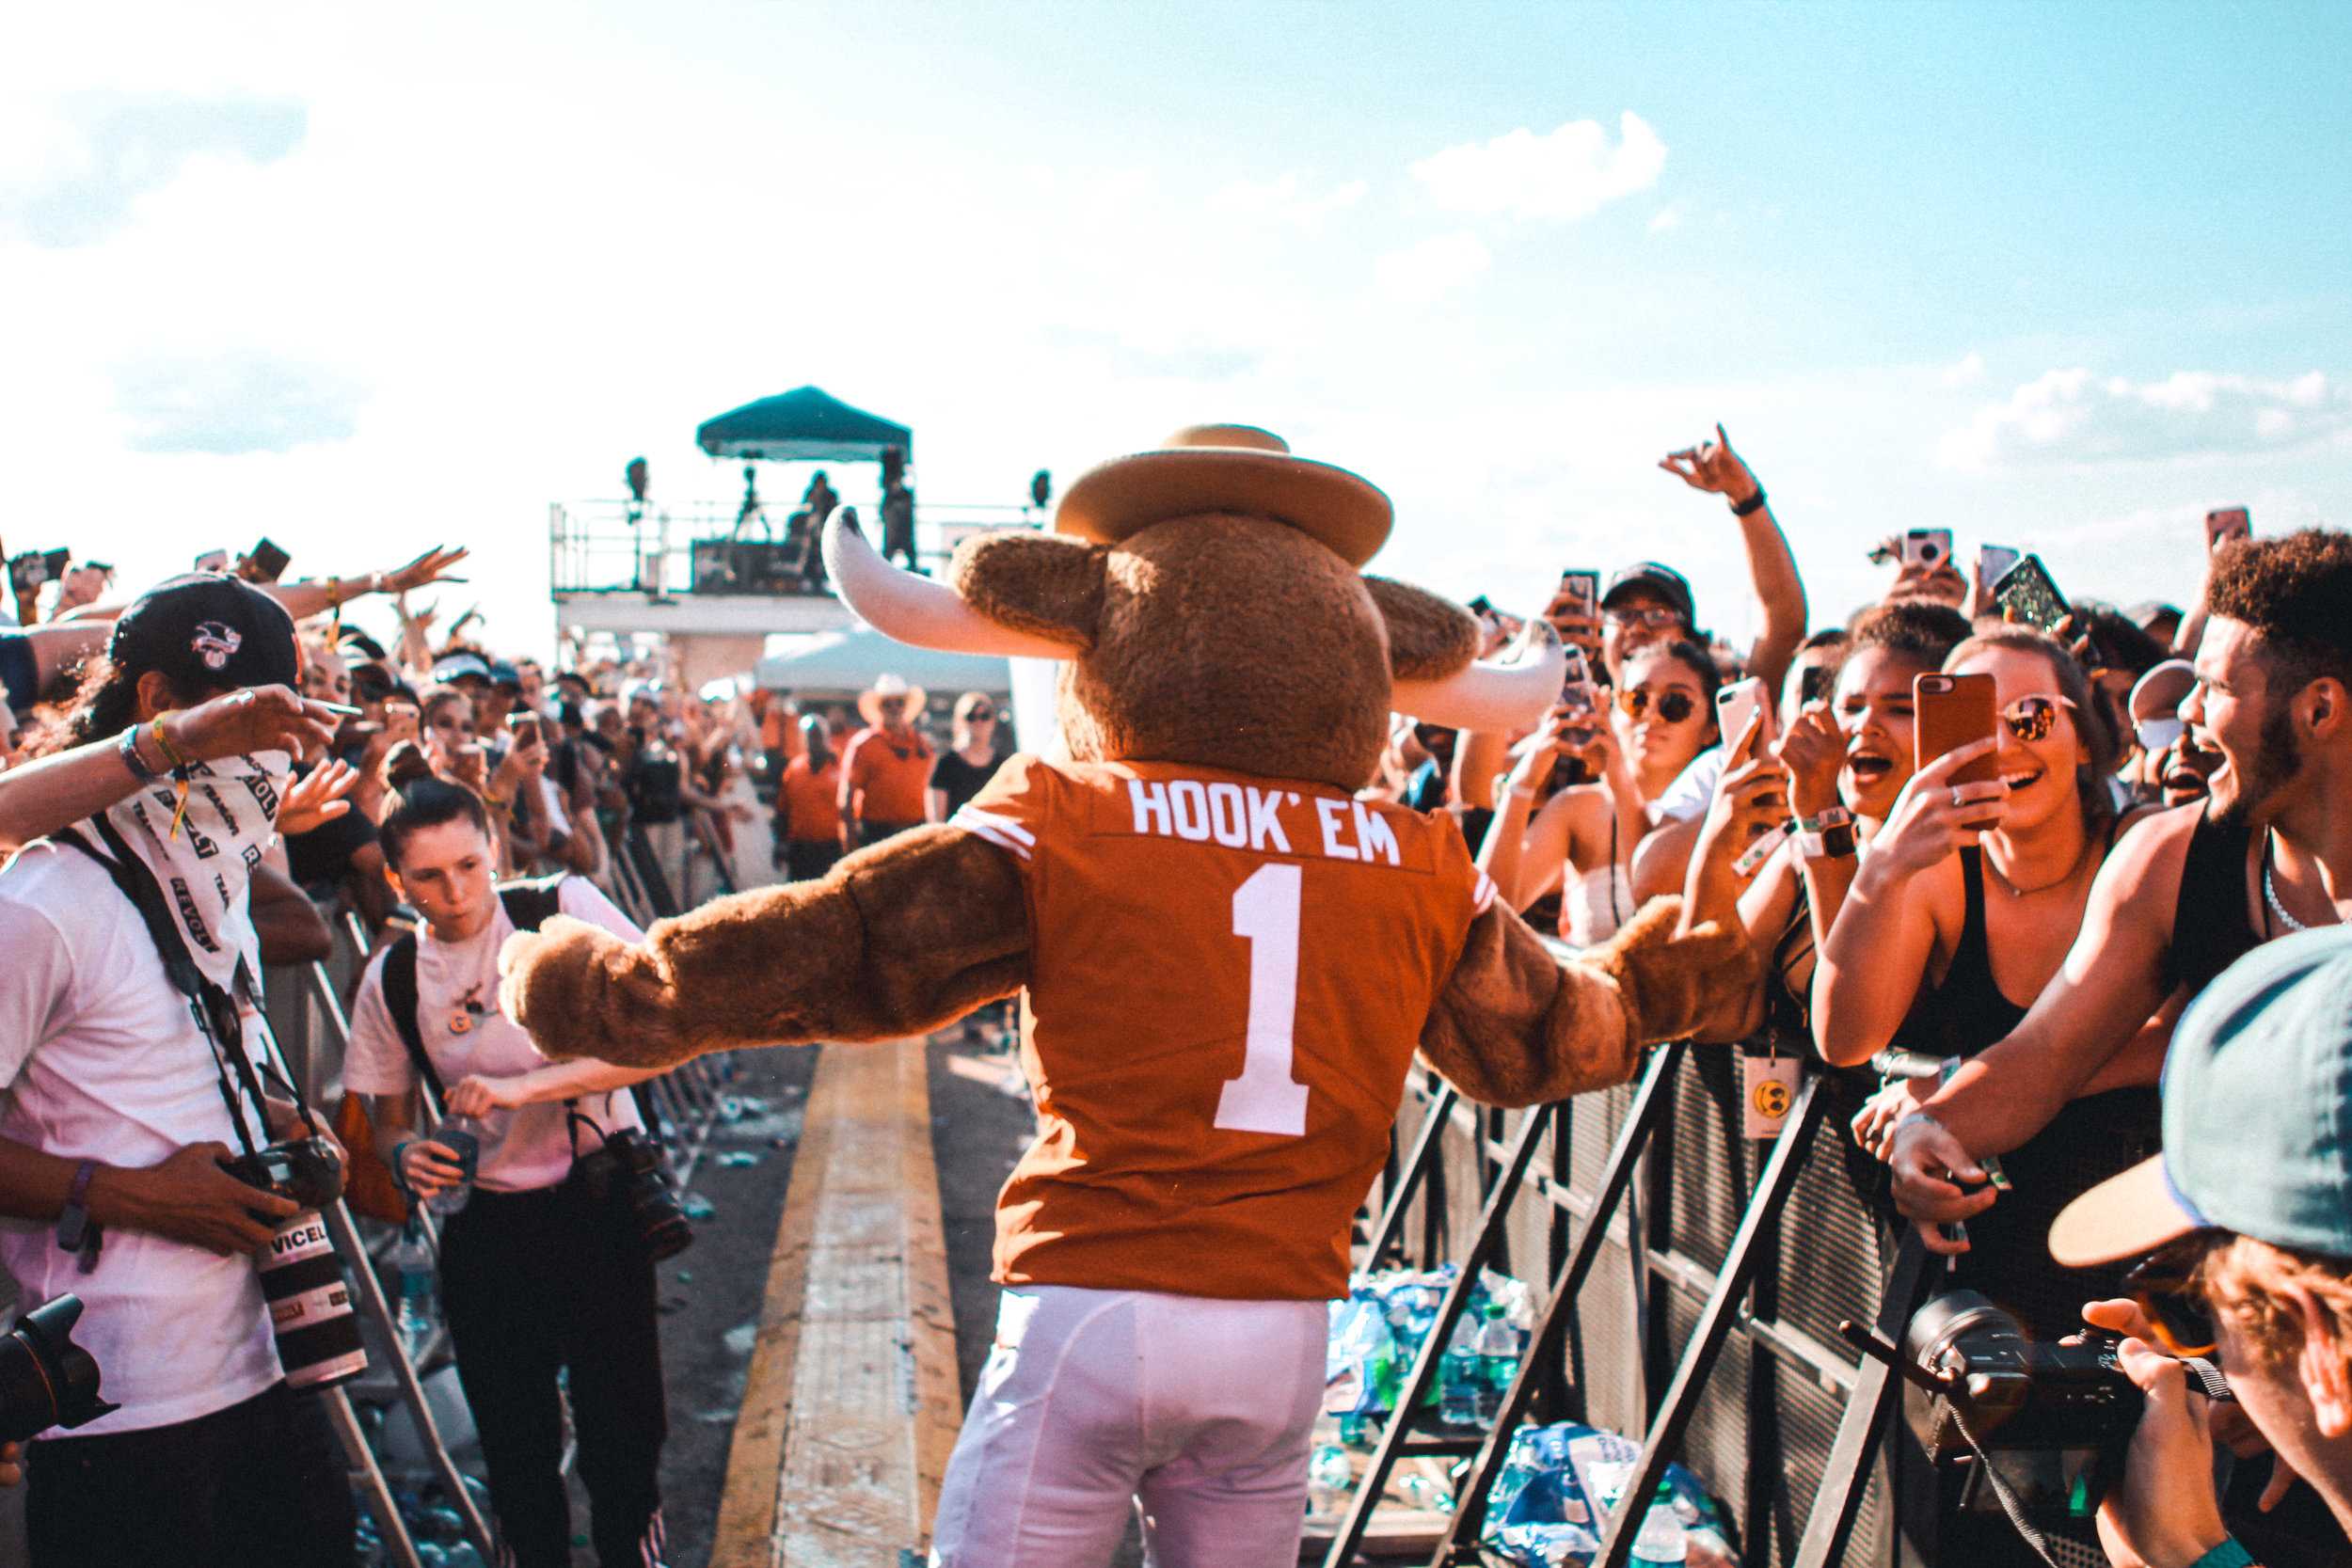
[1662,1538]
[1330,1474]
[461,1136]
[1497,1361]
[413,1304]
[1457,1377]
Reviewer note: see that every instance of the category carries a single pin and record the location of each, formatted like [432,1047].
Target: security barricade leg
[1650,1104]
[378,1491]
[1716,1321]
[1863,1430]
[1428,1142]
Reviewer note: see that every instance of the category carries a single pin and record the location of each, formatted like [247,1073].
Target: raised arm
[1516,1025]
[1713,467]
[895,940]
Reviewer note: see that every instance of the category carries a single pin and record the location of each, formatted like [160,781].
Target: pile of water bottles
[1562,1484]
[436,1530]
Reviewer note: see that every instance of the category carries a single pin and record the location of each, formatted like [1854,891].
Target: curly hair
[1917,629]
[2090,778]
[2247,1281]
[2295,594]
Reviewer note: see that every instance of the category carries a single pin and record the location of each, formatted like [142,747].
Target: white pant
[1201,1408]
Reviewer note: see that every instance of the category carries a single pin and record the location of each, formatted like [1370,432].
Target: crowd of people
[2043,907]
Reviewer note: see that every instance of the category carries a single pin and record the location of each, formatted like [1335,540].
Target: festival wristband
[129,747]
[163,744]
[400,1162]
[1757,853]
[2228,1555]
[1751,505]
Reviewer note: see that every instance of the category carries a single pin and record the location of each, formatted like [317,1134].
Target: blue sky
[2055,276]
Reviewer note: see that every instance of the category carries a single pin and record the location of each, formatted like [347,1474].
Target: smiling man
[2189,890]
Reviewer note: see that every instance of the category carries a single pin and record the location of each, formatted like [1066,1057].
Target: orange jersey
[810,801]
[1228,977]
[889,775]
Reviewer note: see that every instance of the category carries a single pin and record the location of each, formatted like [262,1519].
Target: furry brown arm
[1516,1026]
[896,938]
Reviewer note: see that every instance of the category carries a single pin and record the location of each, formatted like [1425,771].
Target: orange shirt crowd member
[886,771]
[1231,977]
[808,836]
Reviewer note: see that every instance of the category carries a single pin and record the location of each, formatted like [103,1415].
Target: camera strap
[2002,1491]
[214,1009]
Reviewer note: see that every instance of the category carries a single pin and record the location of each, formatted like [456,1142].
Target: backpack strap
[400,1000]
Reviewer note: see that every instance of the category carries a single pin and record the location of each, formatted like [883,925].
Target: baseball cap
[2155,701]
[502,674]
[2257,1116]
[205,631]
[459,665]
[1660,578]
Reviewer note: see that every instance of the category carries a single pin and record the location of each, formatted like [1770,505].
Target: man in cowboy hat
[886,771]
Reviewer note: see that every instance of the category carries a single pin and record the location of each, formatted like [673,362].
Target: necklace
[2270,885]
[2015,891]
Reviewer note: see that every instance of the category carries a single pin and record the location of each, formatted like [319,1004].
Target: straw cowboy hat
[869,703]
[1228,467]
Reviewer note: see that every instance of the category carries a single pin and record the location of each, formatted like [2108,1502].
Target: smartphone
[1739,705]
[212,560]
[1928,547]
[400,721]
[1994,561]
[1484,607]
[1576,677]
[1579,591]
[2027,593]
[266,562]
[526,729]
[1951,711]
[2227,522]
[1815,682]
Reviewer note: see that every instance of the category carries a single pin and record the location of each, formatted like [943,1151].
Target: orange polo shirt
[889,775]
[1228,979]
[810,801]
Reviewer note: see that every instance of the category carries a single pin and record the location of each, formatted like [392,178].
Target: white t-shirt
[99,1059]
[1693,789]
[464,1034]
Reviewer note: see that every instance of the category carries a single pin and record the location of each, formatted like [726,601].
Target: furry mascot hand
[897,940]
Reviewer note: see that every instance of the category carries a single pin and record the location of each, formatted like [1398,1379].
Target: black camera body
[2012,1392]
[46,1380]
[309,1171]
[627,1170]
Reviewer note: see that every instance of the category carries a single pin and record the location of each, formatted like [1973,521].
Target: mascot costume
[1228,963]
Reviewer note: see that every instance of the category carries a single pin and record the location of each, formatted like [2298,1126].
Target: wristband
[129,747]
[400,1163]
[1751,505]
[163,744]
[2228,1555]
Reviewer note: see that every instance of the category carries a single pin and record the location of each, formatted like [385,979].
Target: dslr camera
[627,1170]
[309,1301]
[46,1380]
[2051,1421]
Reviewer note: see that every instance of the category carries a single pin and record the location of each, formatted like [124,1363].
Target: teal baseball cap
[2257,1116]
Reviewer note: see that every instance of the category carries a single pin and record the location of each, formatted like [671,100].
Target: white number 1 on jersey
[1263,1098]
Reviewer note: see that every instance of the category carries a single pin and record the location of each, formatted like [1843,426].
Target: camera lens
[46,1379]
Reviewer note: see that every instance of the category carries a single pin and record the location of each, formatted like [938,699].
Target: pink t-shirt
[464,1034]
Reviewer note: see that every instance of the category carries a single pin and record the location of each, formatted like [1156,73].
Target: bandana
[206,869]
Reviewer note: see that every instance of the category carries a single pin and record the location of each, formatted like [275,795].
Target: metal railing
[617,547]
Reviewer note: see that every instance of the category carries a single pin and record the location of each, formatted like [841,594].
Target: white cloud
[1285,199]
[1668,216]
[1435,267]
[231,404]
[105,150]
[2070,417]
[1569,173]
[1968,371]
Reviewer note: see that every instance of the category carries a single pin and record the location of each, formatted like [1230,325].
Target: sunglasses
[2162,1287]
[2032,719]
[980,713]
[1673,707]
[1653,617]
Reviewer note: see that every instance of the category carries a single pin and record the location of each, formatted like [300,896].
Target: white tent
[843,663]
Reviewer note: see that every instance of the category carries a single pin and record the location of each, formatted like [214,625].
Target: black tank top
[2211,929]
[2088,1141]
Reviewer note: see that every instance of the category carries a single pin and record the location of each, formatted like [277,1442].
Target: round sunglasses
[2164,1288]
[2032,719]
[1673,707]
[1654,617]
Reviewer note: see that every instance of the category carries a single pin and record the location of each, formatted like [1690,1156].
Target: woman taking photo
[1959,914]
[1582,840]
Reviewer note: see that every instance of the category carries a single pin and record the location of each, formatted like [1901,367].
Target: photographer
[540,1273]
[2248,1216]
[117,1110]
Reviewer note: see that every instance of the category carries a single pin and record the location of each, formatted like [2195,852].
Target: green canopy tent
[804,425]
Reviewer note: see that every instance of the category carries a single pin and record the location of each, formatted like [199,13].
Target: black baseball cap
[1657,577]
[206,631]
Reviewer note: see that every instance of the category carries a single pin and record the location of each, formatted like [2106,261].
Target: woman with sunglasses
[1960,914]
[1582,840]
[972,762]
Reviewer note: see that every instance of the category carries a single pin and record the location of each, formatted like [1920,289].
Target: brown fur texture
[898,938]
[1429,638]
[1515,1027]
[1045,583]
